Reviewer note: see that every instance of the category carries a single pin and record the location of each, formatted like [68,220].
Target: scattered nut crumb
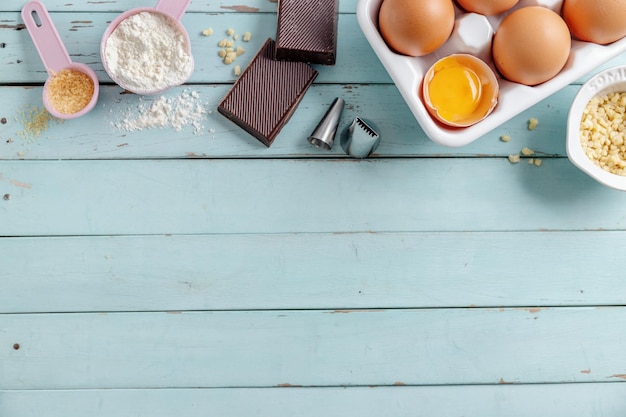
[527,152]
[532,123]
[207,32]
[230,31]
[531,161]
[235,36]
[538,162]
[247,36]
[239,51]
[514,159]
[223,43]
[237,70]
[222,53]
[505,138]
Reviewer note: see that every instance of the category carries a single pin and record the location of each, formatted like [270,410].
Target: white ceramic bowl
[609,81]
[407,72]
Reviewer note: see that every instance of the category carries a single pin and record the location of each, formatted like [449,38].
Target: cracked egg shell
[460,90]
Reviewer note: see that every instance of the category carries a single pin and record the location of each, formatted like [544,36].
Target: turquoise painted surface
[162,272]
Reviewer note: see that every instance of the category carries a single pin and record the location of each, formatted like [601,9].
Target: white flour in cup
[147,53]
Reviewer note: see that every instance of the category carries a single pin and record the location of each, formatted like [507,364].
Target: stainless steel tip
[360,138]
[324,134]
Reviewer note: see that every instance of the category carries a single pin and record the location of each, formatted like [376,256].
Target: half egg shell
[460,90]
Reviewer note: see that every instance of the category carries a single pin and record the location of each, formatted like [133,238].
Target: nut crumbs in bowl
[69,91]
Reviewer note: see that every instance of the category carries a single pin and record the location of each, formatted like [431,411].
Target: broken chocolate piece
[307,31]
[267,93]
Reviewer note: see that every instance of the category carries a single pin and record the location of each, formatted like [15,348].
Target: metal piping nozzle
[324,134]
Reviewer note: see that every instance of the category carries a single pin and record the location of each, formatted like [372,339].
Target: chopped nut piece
[237,70]
[538,162]
[223,43]
[505,138]
[514,159]
[531,161]
[603,132]
[247,36]
[235,36]
[228,60]
[532,123]
[207,32]
[527,152]
[230,31]
[222,53]
[240,51]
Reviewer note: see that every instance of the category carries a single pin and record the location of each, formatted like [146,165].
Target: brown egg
[597,21]
[416,27]
[531,45]
[487,7]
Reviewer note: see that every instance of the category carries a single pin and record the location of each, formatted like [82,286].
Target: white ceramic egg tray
[473,34]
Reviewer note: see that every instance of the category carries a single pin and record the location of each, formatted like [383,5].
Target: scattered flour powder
[147,52]
[175,112]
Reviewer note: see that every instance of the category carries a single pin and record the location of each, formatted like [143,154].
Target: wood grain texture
[312,348]
[311,271]
[563,400]
[297,196]
[162,272]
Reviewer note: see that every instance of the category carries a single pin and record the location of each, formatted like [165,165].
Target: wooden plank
[312,348]
[82,34]
[293,196]
[95,135]
[311,271]
[222,6]
[600,400]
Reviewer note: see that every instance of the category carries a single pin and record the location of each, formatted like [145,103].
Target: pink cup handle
[174,8]
[45,37]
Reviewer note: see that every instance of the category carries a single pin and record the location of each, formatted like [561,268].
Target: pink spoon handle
[174,8]
[45,37]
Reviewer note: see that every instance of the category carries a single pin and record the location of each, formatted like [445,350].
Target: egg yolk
[455,91]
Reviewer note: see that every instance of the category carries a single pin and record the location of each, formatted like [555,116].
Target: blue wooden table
[194,272]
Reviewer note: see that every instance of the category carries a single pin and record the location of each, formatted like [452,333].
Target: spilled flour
[178,112]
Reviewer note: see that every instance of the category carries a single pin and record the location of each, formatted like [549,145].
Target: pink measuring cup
[53,54]
[173,10]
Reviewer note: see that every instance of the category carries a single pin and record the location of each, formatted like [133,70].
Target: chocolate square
[307,31]
[267,93]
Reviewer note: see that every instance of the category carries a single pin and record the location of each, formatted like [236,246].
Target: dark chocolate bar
[307,31]
[267,93]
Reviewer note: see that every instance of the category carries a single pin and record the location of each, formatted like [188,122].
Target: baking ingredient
[527,151]
[229,51]
[267,93]
[487,7]
[514,159]
[597,21]
[35,121]
[174,112]
[603,132]
[307,31]
[416,27]
[69,91]
[460,90]
[531,45]
[505,138]
[207,32]
[147,52]
[532,123]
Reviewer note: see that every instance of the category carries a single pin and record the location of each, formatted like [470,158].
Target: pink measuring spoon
[54,55]
[173,10]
